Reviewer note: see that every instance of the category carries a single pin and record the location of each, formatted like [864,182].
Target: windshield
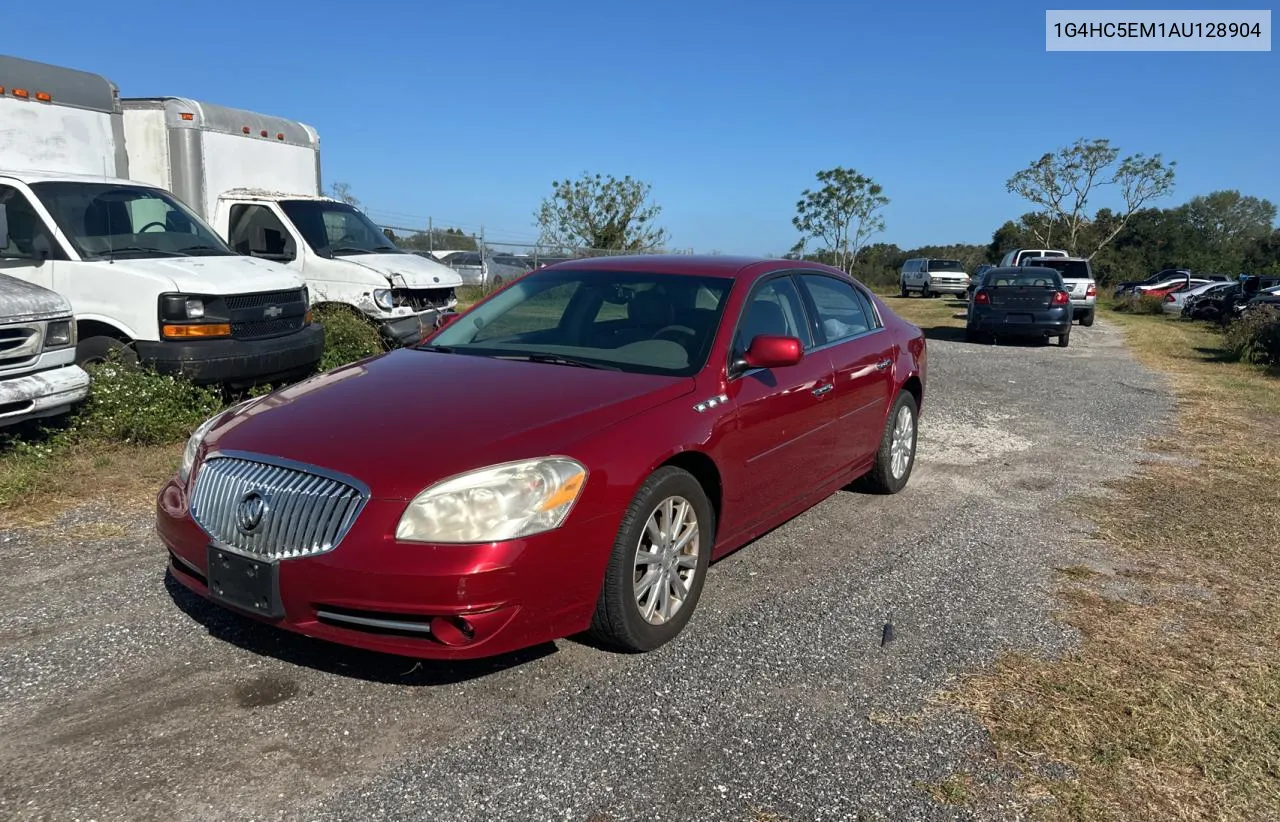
[335,229]
[1070,269]
[946,265]
[1023,278]
[628,321]
[109,220]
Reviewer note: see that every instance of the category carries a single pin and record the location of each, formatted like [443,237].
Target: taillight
[1060,298]
[982,298]
[1092,292]
[1169,298]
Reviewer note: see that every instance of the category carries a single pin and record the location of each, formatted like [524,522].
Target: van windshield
[112,220]
[946,265]
[336,229]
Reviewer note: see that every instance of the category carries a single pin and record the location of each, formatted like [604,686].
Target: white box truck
[147,278]
[256,180]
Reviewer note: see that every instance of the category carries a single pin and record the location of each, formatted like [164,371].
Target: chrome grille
[307,512]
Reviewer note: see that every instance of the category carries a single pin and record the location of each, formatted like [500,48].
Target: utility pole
[431,237]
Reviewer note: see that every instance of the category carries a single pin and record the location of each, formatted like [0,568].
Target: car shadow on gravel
[951,333]
[332,658]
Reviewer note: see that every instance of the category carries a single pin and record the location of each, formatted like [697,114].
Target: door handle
[883,364]
[818,392]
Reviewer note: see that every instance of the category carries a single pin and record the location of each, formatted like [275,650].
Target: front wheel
[101,350]
[658,564]
[897,454]
[903,289]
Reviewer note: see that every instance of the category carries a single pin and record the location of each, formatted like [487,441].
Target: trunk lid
[1021,297]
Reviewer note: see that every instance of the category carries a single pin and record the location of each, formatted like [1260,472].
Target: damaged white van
[38,372]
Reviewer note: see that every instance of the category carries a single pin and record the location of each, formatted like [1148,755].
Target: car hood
[407,270]
[404,420]
[216,275]
[21,301]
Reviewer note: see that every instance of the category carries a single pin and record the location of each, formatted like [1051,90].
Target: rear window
[1023,278]
[946,265]
[1070,269]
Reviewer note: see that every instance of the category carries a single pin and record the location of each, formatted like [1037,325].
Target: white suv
[931,277]
[1077,277]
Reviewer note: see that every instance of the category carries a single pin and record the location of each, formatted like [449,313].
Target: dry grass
[1170,708]
[931,313]
[35,490]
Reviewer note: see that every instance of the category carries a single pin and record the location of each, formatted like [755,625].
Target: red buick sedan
[569,454]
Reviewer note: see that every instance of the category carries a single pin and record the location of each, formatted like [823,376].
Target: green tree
[342,191]
[841,212]
[600,212]
[438,239]
[1061,183]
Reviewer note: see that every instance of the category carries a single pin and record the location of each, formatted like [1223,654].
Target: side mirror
[4,226]
[773,351]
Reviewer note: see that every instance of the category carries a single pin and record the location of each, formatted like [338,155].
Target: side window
[256,231]
[865,301]
[29,239]
[840,313]
[774,308]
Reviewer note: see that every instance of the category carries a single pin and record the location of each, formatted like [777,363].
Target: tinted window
[1071,269]
[1023,278]
[946,265]
[775,308]
[840,314]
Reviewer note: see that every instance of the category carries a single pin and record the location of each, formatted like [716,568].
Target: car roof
[694,265]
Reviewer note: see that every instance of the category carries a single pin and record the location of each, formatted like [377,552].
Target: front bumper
[410,329]
[417,600]
[949,288]
[237,362]
[42,394]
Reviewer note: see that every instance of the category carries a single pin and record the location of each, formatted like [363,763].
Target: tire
[619,621]
[883,479]
[98,350]
[903,288]
[1064,340]
[925,292]
[1087,319]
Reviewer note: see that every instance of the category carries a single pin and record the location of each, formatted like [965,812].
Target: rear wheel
[658,564]
[897,454]
[903,287]
[1064,340]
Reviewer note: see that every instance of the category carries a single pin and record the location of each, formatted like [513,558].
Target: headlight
[193,445]
[382,297]
[508,501]
[198,435]
[60,334]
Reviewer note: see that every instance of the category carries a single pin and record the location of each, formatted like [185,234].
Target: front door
[862,356]
[779,438]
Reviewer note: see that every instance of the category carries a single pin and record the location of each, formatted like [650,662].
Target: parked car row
[1222,302]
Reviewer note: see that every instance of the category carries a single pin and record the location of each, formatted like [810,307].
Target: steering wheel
[675,331]
[163,227]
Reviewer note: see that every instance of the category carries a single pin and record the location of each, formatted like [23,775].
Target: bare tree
[1061,183]
[600,212]
[842,213]
[342,191]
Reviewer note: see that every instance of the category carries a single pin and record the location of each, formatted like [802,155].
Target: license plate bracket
[1018,319]
[244,583]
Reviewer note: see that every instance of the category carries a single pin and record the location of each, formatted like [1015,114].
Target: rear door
[783,419]
[846,327]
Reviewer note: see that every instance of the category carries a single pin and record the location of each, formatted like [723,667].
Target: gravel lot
[122,697]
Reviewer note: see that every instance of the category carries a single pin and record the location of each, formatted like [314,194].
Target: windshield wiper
[557,359]
[133,249]
[384,248]
[347,249]
[206,248]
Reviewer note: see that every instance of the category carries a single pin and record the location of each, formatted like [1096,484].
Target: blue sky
[466,111]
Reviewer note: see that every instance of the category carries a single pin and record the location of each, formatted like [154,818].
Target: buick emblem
[272,312]
[250,512]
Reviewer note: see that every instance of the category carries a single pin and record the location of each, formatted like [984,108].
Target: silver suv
[1077,277]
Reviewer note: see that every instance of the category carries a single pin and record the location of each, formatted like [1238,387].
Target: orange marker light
[21,92]
[187,115]
[44,97]
[199,330]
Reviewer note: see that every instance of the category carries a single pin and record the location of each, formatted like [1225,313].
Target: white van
[38,373]
[256,179]
[931,277]
[147,279]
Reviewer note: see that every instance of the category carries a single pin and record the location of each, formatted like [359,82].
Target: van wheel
[926,292]
[905,292]
[100,350]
